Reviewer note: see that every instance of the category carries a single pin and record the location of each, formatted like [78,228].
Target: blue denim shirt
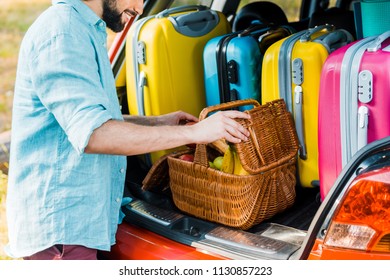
[64,90]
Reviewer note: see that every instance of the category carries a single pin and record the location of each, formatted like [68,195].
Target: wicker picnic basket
[242,201]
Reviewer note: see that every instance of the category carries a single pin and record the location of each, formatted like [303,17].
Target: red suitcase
[354,103]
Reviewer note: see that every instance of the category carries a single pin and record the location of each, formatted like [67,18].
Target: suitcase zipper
[139,58]
[284,62]
[349,99]
[284,66]
[359,115]
[223,81]
[297,70]
[227,70]
[292,72]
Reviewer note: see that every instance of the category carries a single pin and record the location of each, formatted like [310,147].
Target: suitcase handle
[335,39]
[181,9]
[376,45]
[267,39]
[307,36]
[195,24]
[252,28]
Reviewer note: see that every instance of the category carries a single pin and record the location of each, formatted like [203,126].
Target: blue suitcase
[232,63]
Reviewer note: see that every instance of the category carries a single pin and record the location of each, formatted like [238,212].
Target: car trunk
[276,238]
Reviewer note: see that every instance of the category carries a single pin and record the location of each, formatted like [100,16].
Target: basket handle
[200,150]
[227,105]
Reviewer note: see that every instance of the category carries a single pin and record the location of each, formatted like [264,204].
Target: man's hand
[221,125]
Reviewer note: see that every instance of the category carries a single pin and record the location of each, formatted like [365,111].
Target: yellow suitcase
[291,70]
[164,61]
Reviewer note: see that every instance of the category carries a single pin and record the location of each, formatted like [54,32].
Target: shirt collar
[83,9]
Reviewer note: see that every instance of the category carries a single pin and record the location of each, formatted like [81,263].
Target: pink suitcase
[354,103]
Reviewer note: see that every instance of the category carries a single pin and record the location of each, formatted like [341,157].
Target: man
[69,139]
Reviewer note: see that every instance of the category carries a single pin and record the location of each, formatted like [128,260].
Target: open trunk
[276,238]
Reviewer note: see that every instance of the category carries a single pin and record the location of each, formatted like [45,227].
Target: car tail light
[362,220]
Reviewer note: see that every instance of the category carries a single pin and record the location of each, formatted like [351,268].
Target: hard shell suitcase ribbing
[291,70]
[164,61]
[232,63]
[354,103]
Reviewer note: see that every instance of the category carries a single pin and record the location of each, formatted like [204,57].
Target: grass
[3,225]
[15,18]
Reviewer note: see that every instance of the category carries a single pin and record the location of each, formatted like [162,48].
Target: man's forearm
[122,138]
[141,120]
[130,138]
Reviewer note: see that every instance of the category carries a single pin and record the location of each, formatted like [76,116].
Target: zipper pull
[362,126]
[298,95]
[298,116]
[140,93]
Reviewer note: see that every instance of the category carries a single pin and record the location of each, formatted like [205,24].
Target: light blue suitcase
[232,63]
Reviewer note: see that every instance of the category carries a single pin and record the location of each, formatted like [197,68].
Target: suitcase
[291,70]
[232,63]
[374,17]
[164,69]
[354,103]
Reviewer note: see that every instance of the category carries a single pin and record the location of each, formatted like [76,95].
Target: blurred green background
[15,17]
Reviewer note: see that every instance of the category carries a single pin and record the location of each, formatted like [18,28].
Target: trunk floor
[299,216]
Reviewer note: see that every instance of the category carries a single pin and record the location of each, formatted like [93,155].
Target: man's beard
[112,17]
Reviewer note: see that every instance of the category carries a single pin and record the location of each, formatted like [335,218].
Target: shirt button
[122,170]
[118,200]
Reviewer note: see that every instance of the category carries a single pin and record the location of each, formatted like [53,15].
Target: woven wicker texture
[273,138]
[236,200]
[157,178]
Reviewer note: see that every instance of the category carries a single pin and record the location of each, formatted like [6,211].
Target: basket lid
[273,139]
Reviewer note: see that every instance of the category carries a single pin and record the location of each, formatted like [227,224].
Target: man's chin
[116,27]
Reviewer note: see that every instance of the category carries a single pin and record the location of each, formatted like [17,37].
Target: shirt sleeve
[67,79]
